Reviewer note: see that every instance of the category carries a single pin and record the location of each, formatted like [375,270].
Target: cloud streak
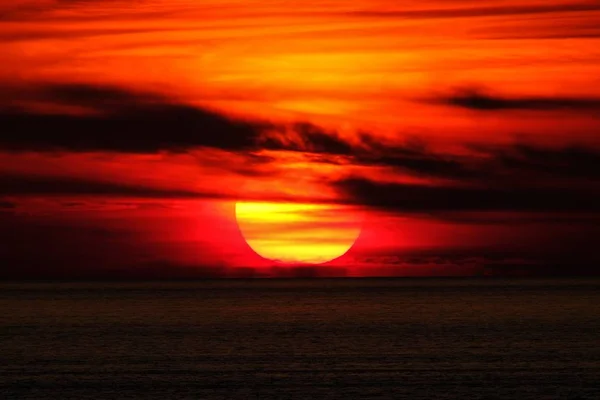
[480,100]
[106,118]
[7,205]
[121,121]
[517,177]
[45,185]
[491,11]
[412,198]
[501,163]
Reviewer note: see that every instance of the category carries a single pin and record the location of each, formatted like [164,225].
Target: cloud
[525,160]
[28,185]
[517,177]
[38,185]
[479,100]
[84,118]
[120,121]
[307,137]
[483,163]
[412,156]
[7,205]
[483,178]
[418,198]
[314,139]
[489,11]
[96,96]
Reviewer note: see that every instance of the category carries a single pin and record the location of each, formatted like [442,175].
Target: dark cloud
[37,185]
[306,137]
[515,177]
[579,27]
[120,121]
[27,185]
[525,160]
[480,100]
[484,11]
[104,118]
[412,156]
[79,11]
[517,162]
[5,204]
[550,36]
[425,165]
[73,34]
[318,141]
[549,219]
[102,97]
[418,198]
[512,163]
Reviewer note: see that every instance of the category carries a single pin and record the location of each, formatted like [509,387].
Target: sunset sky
[230,138]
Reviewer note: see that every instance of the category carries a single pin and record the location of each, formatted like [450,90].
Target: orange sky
[460,103]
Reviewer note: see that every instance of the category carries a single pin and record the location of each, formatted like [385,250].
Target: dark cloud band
[480,100]
[117,120]
[414,198]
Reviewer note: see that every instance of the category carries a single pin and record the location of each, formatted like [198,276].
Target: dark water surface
[297,339]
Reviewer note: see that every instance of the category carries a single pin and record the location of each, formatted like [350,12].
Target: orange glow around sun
[298,233]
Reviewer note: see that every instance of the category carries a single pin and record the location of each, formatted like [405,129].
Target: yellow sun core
[298,233]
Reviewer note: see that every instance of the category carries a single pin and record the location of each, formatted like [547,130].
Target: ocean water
[301,339]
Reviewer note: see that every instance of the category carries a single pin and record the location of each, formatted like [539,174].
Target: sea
[301,339]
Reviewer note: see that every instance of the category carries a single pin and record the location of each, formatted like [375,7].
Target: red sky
[446,137]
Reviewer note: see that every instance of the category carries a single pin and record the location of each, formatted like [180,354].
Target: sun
[298,233]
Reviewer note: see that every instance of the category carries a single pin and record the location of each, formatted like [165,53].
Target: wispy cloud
[485,11]
[47,185]
[482,100]
[400,197]
[7,205]
[118,120]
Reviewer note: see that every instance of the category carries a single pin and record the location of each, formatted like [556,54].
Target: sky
[184,139]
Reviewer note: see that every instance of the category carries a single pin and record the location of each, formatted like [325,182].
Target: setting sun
[298,233]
